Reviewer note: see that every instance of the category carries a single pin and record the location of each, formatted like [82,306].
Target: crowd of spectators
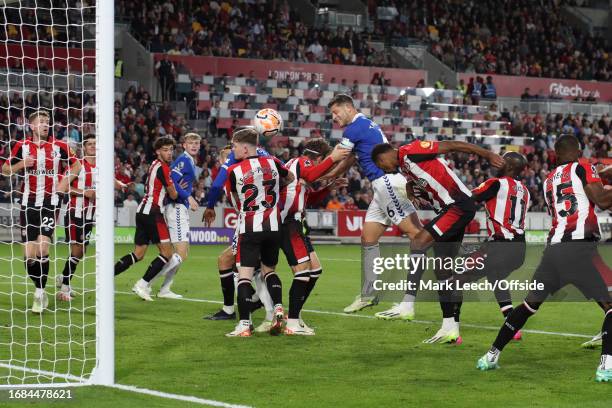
[138,122]
[518,37]
[247,29]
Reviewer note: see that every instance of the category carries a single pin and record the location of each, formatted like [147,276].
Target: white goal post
[70,343]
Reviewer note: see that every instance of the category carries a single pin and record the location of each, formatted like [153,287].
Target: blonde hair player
[183,174]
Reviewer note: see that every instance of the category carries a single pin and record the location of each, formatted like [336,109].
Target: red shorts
[295,244]
[449,225]
[151,229]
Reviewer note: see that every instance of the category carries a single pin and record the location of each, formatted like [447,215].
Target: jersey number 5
[562,198]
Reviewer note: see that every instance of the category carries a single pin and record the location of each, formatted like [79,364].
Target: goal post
[104,373]
[56,56]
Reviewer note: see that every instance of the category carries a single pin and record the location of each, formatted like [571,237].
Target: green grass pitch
[352,361]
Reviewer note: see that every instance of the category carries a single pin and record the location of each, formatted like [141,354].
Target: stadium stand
[526,38]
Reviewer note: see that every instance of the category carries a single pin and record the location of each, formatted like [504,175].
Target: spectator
[130,202]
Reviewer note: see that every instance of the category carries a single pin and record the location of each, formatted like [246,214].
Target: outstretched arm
[457,146]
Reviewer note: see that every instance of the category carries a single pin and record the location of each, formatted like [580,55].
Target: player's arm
[286,177]
[486,190]
[164,176]
[176,174]
[214,193]
[593,186]
[71,174]
[313,173]
[15,164]
[458,146]
[341,168]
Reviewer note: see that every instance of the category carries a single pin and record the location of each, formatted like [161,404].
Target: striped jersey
[51,159]
[573,214]
[305,171]
[255,184]
[158,178]
[420,161]
[79,205]
[506,201]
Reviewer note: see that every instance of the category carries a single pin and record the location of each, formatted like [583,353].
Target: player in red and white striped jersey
[420,161]
[506,201]
[151,227]
[571,191]
[307,169]
[255,183]
[79,217]
[43,162]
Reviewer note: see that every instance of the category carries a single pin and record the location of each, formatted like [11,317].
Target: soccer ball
[268,122]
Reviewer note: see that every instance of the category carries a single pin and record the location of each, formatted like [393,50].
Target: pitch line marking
[359,316]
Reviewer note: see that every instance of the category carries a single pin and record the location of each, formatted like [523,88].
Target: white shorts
[390,204]
[177,218]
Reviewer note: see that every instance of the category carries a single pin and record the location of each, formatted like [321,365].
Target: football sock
[34,271]
[124,263]
[505,307]
[44,270]
[69,268]
[245,302]
[227,286]
[314,277]
[606,334]
[297,293]
[514,322]
[275,288]
[417,258]
[154,268]
[368,254]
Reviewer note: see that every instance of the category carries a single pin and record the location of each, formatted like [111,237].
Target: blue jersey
[217,186]
[365,134]
[182,170]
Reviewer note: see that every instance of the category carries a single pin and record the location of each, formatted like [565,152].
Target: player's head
[567,148]
[191,143]
[342,109]
[385,157]
[244,142]
[223,153]
[514,163]
[316,149]
[164,147]
[89,145]
[39,123]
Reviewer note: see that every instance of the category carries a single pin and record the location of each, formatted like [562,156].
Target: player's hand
[209,216]
[28,162]
[420,202]
[339,153]
[193,204]
[91,194]
[496,160]
[604,171]
[340,182]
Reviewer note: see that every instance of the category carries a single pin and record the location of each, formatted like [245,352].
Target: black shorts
[151,229]
[258,247]
[36,221]
[78,230]
[571,263]
[500,258]
[295,244]
[449,225]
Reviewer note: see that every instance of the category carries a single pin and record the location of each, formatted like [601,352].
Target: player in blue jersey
[183,173]
[390,204]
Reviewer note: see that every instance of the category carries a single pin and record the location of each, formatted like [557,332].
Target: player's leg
[247,258]
[30,219]
[78,232]
[158,234]
[404,310]
[43,242]
[226,262]
[177,218]
[549,277]
[262,298]
[144,229]
[606,274]
[270,246]
[296,251]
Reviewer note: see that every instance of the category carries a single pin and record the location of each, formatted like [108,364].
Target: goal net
[49,302]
